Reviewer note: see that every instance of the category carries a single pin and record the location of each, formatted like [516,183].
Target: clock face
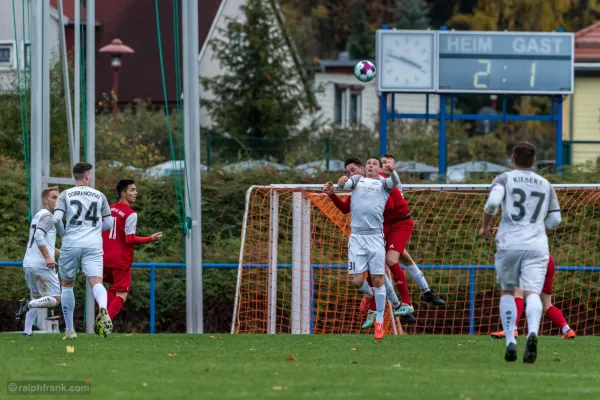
[406,60]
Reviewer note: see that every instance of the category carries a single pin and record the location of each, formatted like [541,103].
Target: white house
[346,100]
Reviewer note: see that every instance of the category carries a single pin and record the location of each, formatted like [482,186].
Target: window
[26,60]
[347,105]
[7,54]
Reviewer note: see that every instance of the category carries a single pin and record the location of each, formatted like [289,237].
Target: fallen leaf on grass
[128,334]
[62,365]
[212,337]
[280,388]
[251,349]
[70,349]
[354,362]
[88,381]
[207,370]
[172,354]
[220,337]
[354,349]
[144,384]
[291,358]
[460,344]
[396,365]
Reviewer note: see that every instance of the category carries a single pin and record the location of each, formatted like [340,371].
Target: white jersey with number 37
[84,208]
[528,198]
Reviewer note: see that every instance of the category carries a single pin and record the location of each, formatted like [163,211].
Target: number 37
[488,70]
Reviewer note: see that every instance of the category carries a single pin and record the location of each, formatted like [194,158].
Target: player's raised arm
[349,183]
[553,219]
[393,180]
[59,211]
[342,205]
[107,219]
[492,204]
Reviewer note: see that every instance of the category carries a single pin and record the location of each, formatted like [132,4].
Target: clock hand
[407,61]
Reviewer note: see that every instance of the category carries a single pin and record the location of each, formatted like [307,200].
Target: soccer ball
[364,71]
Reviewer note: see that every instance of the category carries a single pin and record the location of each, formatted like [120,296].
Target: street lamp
[116,50]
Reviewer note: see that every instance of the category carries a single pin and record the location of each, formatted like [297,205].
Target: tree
[259,100]
[411,14]
[361,41]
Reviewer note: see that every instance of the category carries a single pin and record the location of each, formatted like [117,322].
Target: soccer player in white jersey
[529,207]
[366,246]
[87,215]
[39,263]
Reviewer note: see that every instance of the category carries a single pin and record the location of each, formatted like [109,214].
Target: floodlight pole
[191,116]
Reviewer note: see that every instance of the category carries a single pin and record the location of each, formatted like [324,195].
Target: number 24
[488,70]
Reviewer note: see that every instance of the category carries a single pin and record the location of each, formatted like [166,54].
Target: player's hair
[378,160]
[80,169]
[388,155]
[46,191]
[353,160]
[524,154]
[122,186]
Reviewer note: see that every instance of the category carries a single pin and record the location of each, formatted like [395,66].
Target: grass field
[295,367]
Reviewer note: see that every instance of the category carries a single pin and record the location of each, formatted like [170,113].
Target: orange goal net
[292,274]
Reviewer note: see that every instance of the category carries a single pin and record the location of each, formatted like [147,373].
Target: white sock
[418,277]
[29,318]
[366,289]
[566,328]
[68,306]
[533,310]
[379,303]
[508,314]
[100,295]
[391,293]
[44,302]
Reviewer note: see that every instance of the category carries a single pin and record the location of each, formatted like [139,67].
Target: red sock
[110,296]
[556,316]
[401,285]
[520,305]
[116,305]
[372,305]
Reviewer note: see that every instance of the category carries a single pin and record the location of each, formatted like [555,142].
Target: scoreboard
[480,62]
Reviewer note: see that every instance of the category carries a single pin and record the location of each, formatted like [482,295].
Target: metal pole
[36,106]
[193,86]
[77,61]
[189,294]
[45,91]
[383,117]
[91,128]
[442,140]
[559,137]
[66,81]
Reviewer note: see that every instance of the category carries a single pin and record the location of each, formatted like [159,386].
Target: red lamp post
[116,50]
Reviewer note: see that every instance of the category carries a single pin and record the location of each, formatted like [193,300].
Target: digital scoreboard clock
[505,62]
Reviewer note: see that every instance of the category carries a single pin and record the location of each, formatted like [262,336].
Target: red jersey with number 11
[117,252]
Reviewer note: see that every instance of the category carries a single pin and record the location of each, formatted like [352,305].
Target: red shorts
[397,235]
[119,278]
[547,289]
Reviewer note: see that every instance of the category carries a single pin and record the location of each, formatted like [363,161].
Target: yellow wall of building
[586,120]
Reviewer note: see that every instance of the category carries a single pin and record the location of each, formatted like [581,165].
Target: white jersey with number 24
[84,209]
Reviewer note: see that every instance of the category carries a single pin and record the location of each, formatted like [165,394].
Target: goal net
[292,275]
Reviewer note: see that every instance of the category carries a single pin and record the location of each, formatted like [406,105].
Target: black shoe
[511,352]
[429,297]
[531,349]
[408,319]
[23,308]
[27,334]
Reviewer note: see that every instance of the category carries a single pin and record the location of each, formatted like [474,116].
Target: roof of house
[587,44]
[343,61]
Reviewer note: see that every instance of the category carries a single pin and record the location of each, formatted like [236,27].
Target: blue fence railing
[471,278]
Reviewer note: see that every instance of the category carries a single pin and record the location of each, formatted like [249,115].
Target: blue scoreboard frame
[502,63]
[505,62]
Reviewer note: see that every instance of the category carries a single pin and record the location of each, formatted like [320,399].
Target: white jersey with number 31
[84,209]
[528,198]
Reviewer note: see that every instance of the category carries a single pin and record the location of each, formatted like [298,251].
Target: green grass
[328,367]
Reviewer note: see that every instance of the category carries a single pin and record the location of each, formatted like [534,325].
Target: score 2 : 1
[488,69]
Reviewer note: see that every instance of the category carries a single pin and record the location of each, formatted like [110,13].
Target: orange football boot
[502,335]
[569,335]
[379,330]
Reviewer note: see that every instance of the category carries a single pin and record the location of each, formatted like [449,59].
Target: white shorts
[42,281]
[523,268]
[74,258]
[366,252]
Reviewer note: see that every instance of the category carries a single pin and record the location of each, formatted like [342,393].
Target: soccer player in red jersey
[554,313]
[118,245]
[397,229]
